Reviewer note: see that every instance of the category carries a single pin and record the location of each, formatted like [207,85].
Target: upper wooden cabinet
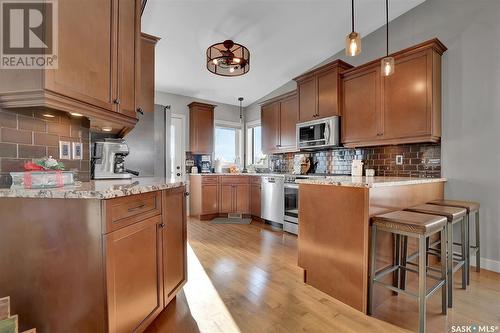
[279,118]
[319,91]
[146,97]
[201,128]
[97,74]
[402,108]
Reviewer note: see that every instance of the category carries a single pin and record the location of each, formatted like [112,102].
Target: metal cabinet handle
[186,194]
[116,101]
[140,110]
[162,225]
[136,208]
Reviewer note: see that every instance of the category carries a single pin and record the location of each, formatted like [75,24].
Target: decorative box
[42,179]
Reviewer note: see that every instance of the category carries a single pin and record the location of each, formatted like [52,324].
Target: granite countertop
[369,182]
[97,189]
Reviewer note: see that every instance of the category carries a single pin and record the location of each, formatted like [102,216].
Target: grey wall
[471,98]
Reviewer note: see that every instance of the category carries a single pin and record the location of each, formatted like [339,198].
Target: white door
[177,149]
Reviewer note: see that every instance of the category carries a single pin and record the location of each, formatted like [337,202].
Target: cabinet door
[128,63]
[407,97]
[174,242]
[133,275]
[85,54]
[255,200]
[147,75]
[361,112]
[289,116]
[270,117]
[202,130]
[328,93]
[307,99]
[242,198]
[209,199]
[226,199]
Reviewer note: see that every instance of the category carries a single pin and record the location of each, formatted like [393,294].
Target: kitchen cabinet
[402,108]
[213,196]
[201,128]
[279,118]
[146,96]
[97,72]
[270,114]
[133,270]
[255,191]
[320,91]
[174,243]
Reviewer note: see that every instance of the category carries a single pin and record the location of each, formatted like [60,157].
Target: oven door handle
[292,185]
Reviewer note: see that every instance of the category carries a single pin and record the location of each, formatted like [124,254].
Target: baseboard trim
[488,264]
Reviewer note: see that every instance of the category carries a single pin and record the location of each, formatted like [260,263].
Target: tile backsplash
[25,134]
[418,160]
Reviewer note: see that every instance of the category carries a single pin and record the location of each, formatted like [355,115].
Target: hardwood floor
[245,278]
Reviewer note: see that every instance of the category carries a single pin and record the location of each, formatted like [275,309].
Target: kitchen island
[104,256]
[334,229]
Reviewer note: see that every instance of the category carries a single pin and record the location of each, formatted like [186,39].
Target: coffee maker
[108,160]
[206,165]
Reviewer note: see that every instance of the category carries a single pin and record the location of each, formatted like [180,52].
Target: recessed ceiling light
[76,114]
[48,115]
[106,129]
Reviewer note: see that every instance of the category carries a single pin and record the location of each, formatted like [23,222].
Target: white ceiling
[285,38]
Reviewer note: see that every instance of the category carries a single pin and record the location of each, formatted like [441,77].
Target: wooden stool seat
[415,223]
[451,213]
[471,206]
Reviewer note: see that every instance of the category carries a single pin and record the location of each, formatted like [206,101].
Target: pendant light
[241,108]
[353,40]
[387,63]
[240,99]
[228,59]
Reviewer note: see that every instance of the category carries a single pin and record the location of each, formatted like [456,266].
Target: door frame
[183,119]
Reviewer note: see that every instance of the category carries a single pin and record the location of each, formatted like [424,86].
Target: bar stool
[471,207]
[453,215]
[420,226]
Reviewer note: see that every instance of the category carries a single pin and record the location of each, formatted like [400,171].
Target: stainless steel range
[291,202]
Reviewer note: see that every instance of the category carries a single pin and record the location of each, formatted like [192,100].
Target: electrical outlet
[399,159]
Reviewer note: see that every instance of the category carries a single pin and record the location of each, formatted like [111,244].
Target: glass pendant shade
[353,44]
[387,66]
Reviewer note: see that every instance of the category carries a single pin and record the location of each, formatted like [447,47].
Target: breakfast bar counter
[334,229]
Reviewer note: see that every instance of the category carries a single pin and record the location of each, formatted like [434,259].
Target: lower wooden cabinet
[255,208]
[214,195]
[174,242]
[146,263]
[133,275]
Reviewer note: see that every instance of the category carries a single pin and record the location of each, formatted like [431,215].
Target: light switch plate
[64,150]
[399,159]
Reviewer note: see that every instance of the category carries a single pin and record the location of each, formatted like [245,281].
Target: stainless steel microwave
[319,133]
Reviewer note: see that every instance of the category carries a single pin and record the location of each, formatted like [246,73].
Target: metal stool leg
[467,225]
[463,251]
[449,228]
[422,288]
[444,295]
[397,261]
[478,251]
[372,268]
[404,258]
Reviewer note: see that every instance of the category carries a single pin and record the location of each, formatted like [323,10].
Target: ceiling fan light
[228,59]
[353,44]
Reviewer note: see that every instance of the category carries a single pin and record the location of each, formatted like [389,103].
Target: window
[254,144]
[227,142]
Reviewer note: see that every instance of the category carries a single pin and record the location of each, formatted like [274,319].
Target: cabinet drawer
[124,211]
[209,179]
[255,179]
[234,179]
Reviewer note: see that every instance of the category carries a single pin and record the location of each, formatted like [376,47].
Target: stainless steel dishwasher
[272,199]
